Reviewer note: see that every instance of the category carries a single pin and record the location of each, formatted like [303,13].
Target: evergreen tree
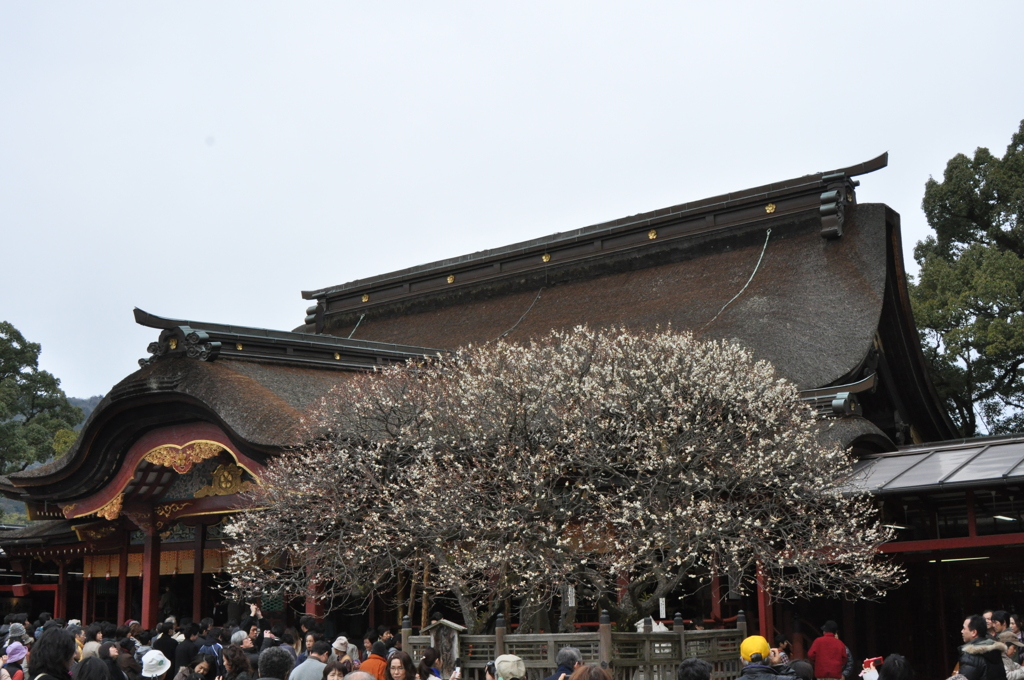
[34,411]
[969,298]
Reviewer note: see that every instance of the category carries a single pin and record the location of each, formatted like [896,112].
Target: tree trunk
[425,605]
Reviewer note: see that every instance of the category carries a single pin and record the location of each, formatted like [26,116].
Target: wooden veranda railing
[630,656]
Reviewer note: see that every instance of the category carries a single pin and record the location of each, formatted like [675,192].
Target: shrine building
[129,522]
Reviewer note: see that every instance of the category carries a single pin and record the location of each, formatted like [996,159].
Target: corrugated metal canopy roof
[965,463]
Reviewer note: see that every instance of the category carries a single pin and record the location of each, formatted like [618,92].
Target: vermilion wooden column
[151,578]
[197,572]
[716,599]
[764,609]
[315,607]
[122,583]
[60,600]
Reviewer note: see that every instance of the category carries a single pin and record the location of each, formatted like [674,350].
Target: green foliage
[63,440]
[33,408]
[969,298]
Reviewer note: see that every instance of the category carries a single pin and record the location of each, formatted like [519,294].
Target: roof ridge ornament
[839,192]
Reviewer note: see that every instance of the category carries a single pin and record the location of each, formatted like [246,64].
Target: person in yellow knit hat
[759,661]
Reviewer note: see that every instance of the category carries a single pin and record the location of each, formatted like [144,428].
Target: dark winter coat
[558,673]
[982,659]
[756,671]
[186,651]
[131,668]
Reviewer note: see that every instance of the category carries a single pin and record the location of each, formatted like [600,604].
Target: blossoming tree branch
[587,458]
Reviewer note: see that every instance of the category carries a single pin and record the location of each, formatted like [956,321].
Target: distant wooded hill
[87,406]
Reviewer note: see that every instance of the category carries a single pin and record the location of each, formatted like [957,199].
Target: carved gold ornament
[770,208]
[366,297]
[227,479]
[652,234]
[182,458]
[451,278]
[238,346]
[166,509]
[112,509]
[337,356]
[546,257]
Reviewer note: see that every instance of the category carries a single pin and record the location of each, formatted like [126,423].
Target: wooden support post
[764,608]
[197,572]
[972,520]
[798,640]
[406,632]
[941,623]
[499,635]
[679,628]
[122,583]
[86,600]
[604,637]
[60,600]
[716,599]
[151,578]
[314,605]
[848,628]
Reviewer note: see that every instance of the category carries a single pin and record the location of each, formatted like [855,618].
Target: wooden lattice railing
[630,656]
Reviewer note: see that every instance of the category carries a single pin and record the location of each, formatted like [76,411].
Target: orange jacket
[376,665]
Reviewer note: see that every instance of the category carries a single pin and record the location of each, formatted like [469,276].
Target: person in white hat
[510,667]
[155,664]
[340,647]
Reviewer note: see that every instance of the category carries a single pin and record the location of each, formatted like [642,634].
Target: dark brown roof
[261,406]
[38,532]
[812,308]
[826,303]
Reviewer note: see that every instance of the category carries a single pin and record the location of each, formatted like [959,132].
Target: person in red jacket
[828,654]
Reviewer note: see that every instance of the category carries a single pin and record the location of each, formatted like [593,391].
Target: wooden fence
[630,656]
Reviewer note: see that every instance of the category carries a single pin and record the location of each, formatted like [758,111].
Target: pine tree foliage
[969,297]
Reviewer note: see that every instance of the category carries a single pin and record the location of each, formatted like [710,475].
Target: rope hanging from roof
[522,317]
[756,267]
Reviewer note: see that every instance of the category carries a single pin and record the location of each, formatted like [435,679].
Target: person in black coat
[568,660]
[187,648]
[167,644]
[981,657]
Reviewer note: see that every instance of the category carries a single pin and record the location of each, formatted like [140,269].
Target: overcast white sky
[209,160]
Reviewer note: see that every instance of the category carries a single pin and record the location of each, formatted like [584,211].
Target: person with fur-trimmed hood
[981,657]
[759,660]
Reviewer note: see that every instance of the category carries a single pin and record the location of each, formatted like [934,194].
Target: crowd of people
[189,650]
[252,649]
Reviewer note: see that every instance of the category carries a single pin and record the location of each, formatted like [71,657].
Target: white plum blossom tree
[585,458]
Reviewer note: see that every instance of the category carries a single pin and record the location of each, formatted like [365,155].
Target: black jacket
[982,660]
[558,673]
[756,671]
[168,645]
[186,651]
